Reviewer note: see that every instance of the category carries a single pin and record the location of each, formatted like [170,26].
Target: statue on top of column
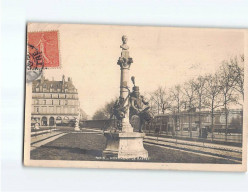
[125,60]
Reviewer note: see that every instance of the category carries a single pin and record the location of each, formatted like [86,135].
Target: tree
[227,84]
[105,112]
[176,104]
[237,68]
[189,101]
[200,100]
[212,94]
[161,99]
[99,115]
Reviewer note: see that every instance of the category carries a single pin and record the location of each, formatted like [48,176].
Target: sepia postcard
[136,97]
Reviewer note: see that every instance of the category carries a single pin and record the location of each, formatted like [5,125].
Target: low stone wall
[97,124]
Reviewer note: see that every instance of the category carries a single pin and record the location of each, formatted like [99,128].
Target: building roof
[45,85]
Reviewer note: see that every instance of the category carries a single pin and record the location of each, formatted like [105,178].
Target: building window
[66,102]
[45,102]
[37,110]
[65,96]
[51,96]
[58,95]
[44,109]
[59,102]
[52,102]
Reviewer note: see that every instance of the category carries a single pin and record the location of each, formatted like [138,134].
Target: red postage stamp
[47,44]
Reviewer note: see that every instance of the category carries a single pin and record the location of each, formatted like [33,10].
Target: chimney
[63,79]
[42,79]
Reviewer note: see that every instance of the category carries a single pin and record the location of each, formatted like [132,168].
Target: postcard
[136,97]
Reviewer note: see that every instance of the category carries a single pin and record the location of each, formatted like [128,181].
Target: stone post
[77,128]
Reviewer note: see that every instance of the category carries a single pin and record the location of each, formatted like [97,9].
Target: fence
[165,129]
[216,137]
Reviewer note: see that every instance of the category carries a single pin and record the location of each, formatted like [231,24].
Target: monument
[37,125]
[127,143]
[77,128]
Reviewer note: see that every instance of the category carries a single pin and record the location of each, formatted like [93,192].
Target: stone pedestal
[131,145]
[112,144]
[36,126]
[125,145]
[76,128]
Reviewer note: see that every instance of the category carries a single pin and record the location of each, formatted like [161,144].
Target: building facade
[54,102]
[185,121]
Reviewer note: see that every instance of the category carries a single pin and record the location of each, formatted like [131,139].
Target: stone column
[124,84]
[125,62]
[130,143]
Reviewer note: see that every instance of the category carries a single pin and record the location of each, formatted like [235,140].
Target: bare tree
[212,94]
[237,68]
[99,115]
[161,99]
[227,84]
[105,112]
[189,101]
[155,103]
[176,104]
[200,100]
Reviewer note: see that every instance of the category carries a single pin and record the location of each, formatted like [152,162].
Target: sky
[161,56]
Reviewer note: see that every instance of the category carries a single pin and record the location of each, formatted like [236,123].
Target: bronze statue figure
[139,107]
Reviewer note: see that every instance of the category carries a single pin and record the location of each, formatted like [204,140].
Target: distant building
[182,120]
[54,101]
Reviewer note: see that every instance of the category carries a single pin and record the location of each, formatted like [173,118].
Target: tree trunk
[212,124]
[226,125]
[200,132]
[190,129]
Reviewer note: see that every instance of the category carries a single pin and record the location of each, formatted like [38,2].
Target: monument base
[112,144]
[125,145]
[131,145]
[76,129]
[36,126]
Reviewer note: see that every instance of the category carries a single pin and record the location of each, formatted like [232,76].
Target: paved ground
[87,146]
[44,138]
